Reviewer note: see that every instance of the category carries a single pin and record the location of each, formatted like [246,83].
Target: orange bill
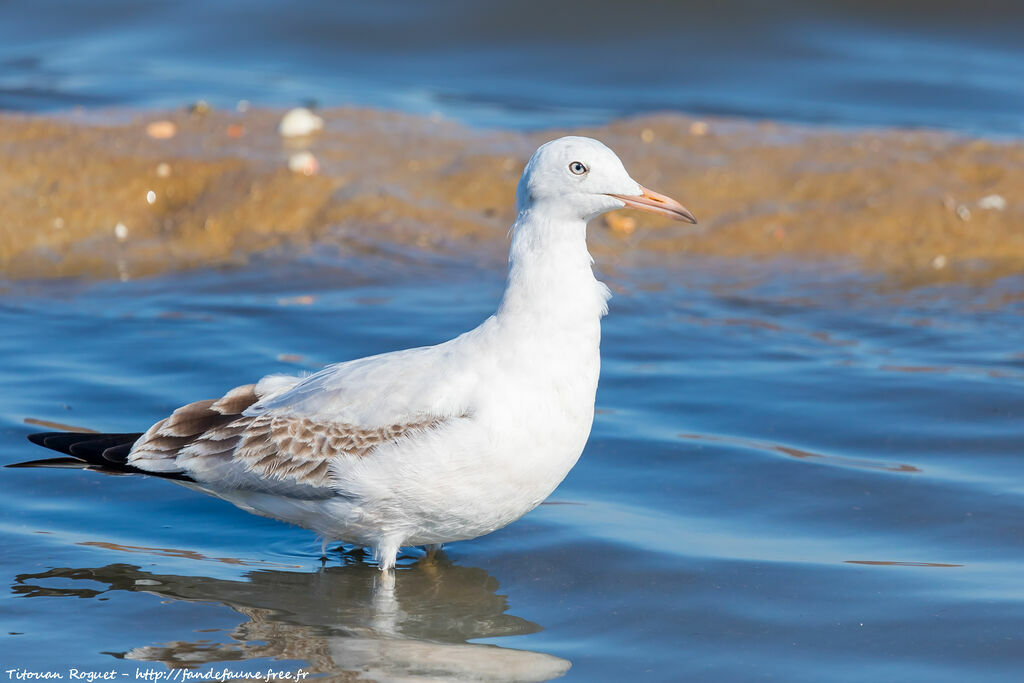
[653,202]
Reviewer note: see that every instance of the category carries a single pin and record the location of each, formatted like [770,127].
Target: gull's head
[575,178]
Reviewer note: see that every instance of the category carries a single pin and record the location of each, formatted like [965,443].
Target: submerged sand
[95,195]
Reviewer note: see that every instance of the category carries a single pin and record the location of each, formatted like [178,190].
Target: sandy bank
[96,196]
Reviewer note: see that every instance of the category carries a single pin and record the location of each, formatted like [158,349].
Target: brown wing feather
[291,449]
[190,421]
[297,449]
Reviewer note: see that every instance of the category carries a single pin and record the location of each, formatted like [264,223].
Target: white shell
[299,122]
[993,201]
[304,163]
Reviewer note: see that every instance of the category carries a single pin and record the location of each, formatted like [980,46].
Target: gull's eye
[578,167]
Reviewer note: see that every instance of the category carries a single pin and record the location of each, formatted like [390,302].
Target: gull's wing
[383,390]
[283,434]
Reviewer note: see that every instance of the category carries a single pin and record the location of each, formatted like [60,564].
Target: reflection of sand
[341,621]
[808,456]
[890,200]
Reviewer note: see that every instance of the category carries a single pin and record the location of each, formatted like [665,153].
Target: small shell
[304,163]
[994,202]
[299,122]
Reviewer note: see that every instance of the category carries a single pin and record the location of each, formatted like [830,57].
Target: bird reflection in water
[345,619]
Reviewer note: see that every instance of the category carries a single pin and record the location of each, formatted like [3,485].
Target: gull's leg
[432,550]
[386,552]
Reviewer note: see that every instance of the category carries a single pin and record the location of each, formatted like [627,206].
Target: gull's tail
[89,450]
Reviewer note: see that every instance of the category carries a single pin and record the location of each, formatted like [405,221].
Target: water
[952,64]
[794,474]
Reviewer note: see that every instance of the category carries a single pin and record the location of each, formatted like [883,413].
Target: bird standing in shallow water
[428,445]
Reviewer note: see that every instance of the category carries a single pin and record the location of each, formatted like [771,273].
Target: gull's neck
[551,289]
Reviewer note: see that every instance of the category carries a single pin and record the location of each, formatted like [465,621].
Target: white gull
[428,445]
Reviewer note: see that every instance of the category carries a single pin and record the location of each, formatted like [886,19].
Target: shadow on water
[347,619]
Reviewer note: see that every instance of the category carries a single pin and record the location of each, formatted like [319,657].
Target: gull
[429,445]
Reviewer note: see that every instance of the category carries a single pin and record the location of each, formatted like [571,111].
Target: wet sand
[75,192]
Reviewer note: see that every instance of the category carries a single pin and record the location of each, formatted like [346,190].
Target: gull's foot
[384,584]
[386,552]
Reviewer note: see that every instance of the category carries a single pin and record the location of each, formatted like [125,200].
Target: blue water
[949,64]
[794,474]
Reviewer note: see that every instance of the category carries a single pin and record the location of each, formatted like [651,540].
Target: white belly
[468,478]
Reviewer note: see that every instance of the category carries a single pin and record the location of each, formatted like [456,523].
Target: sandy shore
[95,195]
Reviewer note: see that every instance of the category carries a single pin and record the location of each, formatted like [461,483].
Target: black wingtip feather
[50,462]
[103,452]
[39,438]
[118,453]
[95,448]
[87,446]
